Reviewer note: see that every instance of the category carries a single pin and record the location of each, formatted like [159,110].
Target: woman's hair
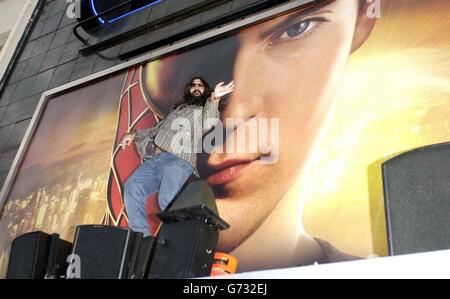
[189,99]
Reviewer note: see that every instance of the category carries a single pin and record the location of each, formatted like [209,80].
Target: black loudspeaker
[417,200]
[58,252]
[142,255]
[38,255]
[103,252]
[188,236]
[184,250]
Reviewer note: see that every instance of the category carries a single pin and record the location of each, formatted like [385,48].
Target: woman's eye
[295,31]
[298,29]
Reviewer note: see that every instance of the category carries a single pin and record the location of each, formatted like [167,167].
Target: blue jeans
[165,173]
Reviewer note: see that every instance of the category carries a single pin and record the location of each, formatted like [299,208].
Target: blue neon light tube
[103,21]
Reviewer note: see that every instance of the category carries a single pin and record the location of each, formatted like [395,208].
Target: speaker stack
[184,248]
[188,237]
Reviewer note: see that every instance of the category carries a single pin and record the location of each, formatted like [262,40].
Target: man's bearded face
[197,88]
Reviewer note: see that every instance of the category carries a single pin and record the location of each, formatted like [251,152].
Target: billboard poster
[336,88]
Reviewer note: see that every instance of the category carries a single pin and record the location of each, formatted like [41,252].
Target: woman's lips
[228,174]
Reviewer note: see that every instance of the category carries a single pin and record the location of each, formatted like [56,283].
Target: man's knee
[133,187]
[129,184]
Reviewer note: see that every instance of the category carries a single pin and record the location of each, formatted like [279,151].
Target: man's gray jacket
[180,133]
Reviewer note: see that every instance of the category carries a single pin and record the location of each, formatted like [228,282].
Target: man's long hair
[189,99]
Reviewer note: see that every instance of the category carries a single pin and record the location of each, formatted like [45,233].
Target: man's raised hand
[221,90]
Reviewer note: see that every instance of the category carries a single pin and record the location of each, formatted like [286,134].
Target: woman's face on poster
[286,70]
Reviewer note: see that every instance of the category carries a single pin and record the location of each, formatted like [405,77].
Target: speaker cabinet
[142,255]
[417,200]
[38,255]
[103,252]
[184,250]
[188,237]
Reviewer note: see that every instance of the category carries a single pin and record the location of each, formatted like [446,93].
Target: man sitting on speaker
[170,150]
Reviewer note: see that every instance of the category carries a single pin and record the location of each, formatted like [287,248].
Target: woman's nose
[246,101]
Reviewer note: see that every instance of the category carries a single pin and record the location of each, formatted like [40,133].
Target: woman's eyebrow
[314,7]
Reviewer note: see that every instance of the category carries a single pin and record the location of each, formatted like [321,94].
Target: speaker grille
[417,198]
[103,251]
[184,250]
[28,256]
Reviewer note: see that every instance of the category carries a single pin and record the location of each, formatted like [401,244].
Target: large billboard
[350,84]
